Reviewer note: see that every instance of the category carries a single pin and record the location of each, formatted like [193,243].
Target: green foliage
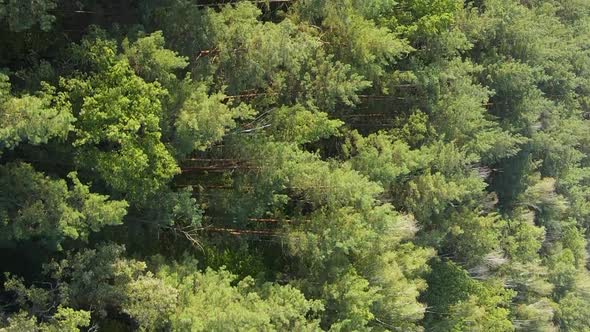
[205,119]
[523,238]
[459,114]
[102,280]
[349,302]
[149,302]
[241,261]
[536,316]
[473,236]
[118,132]
[476,314]
[39,302]
[96,51]
[23,15]
[383,158]
[32,119]
[65,319]
[150,60]
[346,165]
[463,303]
[284,61]
[430,194]
[360,42]
[174,208]
[216,301]
[571,318]
[35,206]
[299,125]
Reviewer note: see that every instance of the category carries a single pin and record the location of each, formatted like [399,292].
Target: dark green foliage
[342,165]
[23,15]
[34,206]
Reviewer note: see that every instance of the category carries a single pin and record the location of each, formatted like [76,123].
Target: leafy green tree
[346,165]
[35,206]
[279,62]
[22,16]
[205,119]
[118,133]
[33,119]
[216,301]
[300,125]
[103,280]
[151,60]
[462,303]
[571,318]
[65,319]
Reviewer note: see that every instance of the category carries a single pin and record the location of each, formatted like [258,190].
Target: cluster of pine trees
[294,165]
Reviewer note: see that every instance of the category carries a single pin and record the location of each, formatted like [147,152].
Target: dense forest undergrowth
[305,165]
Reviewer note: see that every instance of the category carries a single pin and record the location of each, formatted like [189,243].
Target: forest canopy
[294,165]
